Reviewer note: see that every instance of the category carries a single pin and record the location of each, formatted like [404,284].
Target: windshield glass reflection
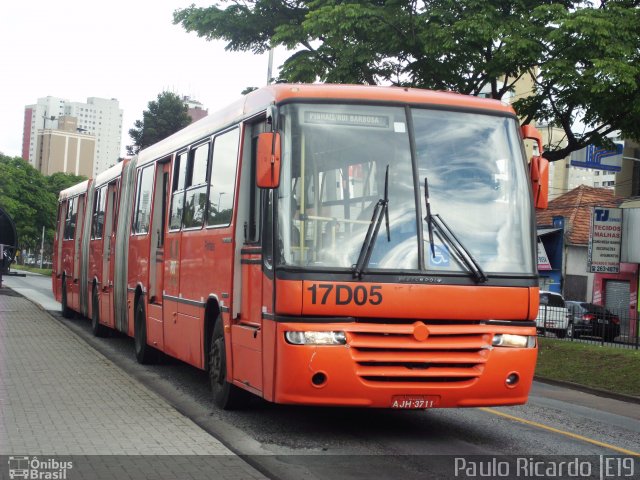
[477,183]
[333,168]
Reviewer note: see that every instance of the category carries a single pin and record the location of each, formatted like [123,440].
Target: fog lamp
[316,338]
[509,340]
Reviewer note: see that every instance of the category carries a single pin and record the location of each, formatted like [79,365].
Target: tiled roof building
[575,207]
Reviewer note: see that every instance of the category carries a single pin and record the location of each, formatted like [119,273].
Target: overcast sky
[128,50]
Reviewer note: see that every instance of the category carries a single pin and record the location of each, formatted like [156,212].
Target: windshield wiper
[446,234]
[380,211]
[428,218]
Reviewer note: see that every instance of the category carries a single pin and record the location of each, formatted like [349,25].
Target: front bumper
[454,364]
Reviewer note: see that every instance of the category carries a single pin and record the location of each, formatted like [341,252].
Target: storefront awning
[546,231]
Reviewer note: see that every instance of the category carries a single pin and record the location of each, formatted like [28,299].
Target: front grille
[391,353]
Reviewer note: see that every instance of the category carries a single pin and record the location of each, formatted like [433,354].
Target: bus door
[247,328]
[57,253]
[79,228]
[109,239]
[159,224]
[156,253]
[96,247]
[66,248]
[171,252]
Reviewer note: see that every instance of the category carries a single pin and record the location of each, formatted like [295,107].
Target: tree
[583,60]
[59,181]
[31,199]
[164,117]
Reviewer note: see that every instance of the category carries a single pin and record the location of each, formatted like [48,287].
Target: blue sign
[598,158]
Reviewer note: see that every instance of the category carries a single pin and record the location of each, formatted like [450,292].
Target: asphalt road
[326,443]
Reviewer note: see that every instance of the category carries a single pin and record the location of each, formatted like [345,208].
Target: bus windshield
[334,165]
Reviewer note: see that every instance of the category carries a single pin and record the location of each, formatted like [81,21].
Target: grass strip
[26,268]
[606,368]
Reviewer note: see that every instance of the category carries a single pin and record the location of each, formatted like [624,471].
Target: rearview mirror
[268,160]
[538,168]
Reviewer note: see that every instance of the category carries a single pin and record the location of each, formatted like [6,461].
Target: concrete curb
[593,391]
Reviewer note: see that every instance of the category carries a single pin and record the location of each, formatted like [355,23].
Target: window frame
[189,186]
[138,196]
[99,201]
[71,204]
[214,139]
[175,179]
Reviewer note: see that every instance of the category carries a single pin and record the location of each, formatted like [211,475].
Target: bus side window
[99,201]
[267,228]
[58,220]
[115,208]
[142,216]
[177,189]
[223,178]
[70,220]
[252,230]
[94,214]
[196,187]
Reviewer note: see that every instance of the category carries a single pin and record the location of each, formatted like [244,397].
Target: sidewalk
[60,397]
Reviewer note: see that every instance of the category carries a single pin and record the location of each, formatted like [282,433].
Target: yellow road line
[561,432]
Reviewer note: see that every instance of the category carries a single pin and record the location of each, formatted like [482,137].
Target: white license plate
[412,402]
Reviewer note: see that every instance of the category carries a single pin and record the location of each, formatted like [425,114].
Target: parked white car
[553,315]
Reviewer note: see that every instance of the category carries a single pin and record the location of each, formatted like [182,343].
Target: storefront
[618,292]
[550,255]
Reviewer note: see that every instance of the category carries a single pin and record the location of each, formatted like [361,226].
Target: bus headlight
[316,338]
[508,340]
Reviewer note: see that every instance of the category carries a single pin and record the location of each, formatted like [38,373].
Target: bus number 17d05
[321,293]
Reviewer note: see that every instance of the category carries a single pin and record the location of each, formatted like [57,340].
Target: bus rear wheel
[225,395]
[97,328]
[66,311]
[145,354]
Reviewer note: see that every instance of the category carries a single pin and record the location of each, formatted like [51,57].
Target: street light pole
[42,247]
[44,127]
[270,66]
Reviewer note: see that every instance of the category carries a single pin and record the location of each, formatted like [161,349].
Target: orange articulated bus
[321,245]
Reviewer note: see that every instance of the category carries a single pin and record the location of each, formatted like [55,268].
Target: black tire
[145,354]
[66,311]
[97,328]
[561,333]
[570,331]
[225,395]
[609,336]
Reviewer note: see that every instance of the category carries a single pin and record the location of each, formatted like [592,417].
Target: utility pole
[270,66]
[44,128]
[42,247]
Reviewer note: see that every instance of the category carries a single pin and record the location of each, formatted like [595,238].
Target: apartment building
[65,149]
[98,117]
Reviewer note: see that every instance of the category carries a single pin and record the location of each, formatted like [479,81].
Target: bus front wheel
[225,395]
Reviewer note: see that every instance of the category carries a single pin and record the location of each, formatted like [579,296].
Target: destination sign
[347,119]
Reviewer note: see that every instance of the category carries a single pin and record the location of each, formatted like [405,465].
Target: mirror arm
[272,117]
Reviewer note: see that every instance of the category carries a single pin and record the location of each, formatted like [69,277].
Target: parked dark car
[588,319]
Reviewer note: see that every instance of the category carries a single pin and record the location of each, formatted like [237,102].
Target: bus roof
[258,100]
[388,94]
[109,174]
[73,191]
